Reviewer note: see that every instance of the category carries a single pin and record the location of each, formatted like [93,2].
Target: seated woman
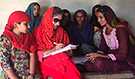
[50,37]
[114,44]
[96,28]
[81,33]
[66,20]
[33,12]
[17,48]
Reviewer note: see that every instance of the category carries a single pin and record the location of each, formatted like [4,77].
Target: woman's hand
[93,56]
[70,53]
[58,45]
[10,74]
[30,77]
[47,52]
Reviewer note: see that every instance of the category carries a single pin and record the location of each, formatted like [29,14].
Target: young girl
[33,12]
[17,48]
[50,36]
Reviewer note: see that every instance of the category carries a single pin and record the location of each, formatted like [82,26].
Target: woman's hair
[30,9]
[66,19]
[95,7]
[80,11]
[56,11]
[35,3]
[93,19]
[109,15]
[66,11]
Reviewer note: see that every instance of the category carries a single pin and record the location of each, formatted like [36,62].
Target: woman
[50,36]
[96,27]
[33,11]
[114,44]
[17,48]
[66,20]
[81,32]
[93,19]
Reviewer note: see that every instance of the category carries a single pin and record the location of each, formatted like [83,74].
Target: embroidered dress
[13,58]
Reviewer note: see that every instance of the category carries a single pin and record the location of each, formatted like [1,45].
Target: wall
[8,6]
[123,8]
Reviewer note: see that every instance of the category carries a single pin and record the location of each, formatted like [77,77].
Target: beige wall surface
[123,8]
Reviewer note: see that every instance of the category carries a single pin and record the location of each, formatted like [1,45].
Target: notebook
[66,48]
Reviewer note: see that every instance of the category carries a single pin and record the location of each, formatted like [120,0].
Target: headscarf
[45,34]
[22,41]
[34,20]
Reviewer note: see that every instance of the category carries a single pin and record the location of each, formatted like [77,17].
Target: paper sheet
[66,48]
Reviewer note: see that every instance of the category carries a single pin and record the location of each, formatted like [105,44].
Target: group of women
[112,50]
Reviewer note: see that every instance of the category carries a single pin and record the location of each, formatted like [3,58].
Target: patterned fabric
[13,58]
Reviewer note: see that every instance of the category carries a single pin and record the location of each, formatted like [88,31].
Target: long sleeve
[4,53]
[122,52]
[103,46]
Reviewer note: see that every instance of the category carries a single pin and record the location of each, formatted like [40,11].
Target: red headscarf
[45,34]
[23,41]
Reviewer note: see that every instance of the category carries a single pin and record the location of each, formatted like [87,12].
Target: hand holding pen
[58,45]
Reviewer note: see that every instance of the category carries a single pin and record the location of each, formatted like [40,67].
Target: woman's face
[101,19]
[57,20]
[79,18]
[66,16]
[36,10]
[22,27]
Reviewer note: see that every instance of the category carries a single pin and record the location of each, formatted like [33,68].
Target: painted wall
[8,6]
[123,8]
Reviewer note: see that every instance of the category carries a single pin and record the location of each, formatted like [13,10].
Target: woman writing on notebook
[50,36]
